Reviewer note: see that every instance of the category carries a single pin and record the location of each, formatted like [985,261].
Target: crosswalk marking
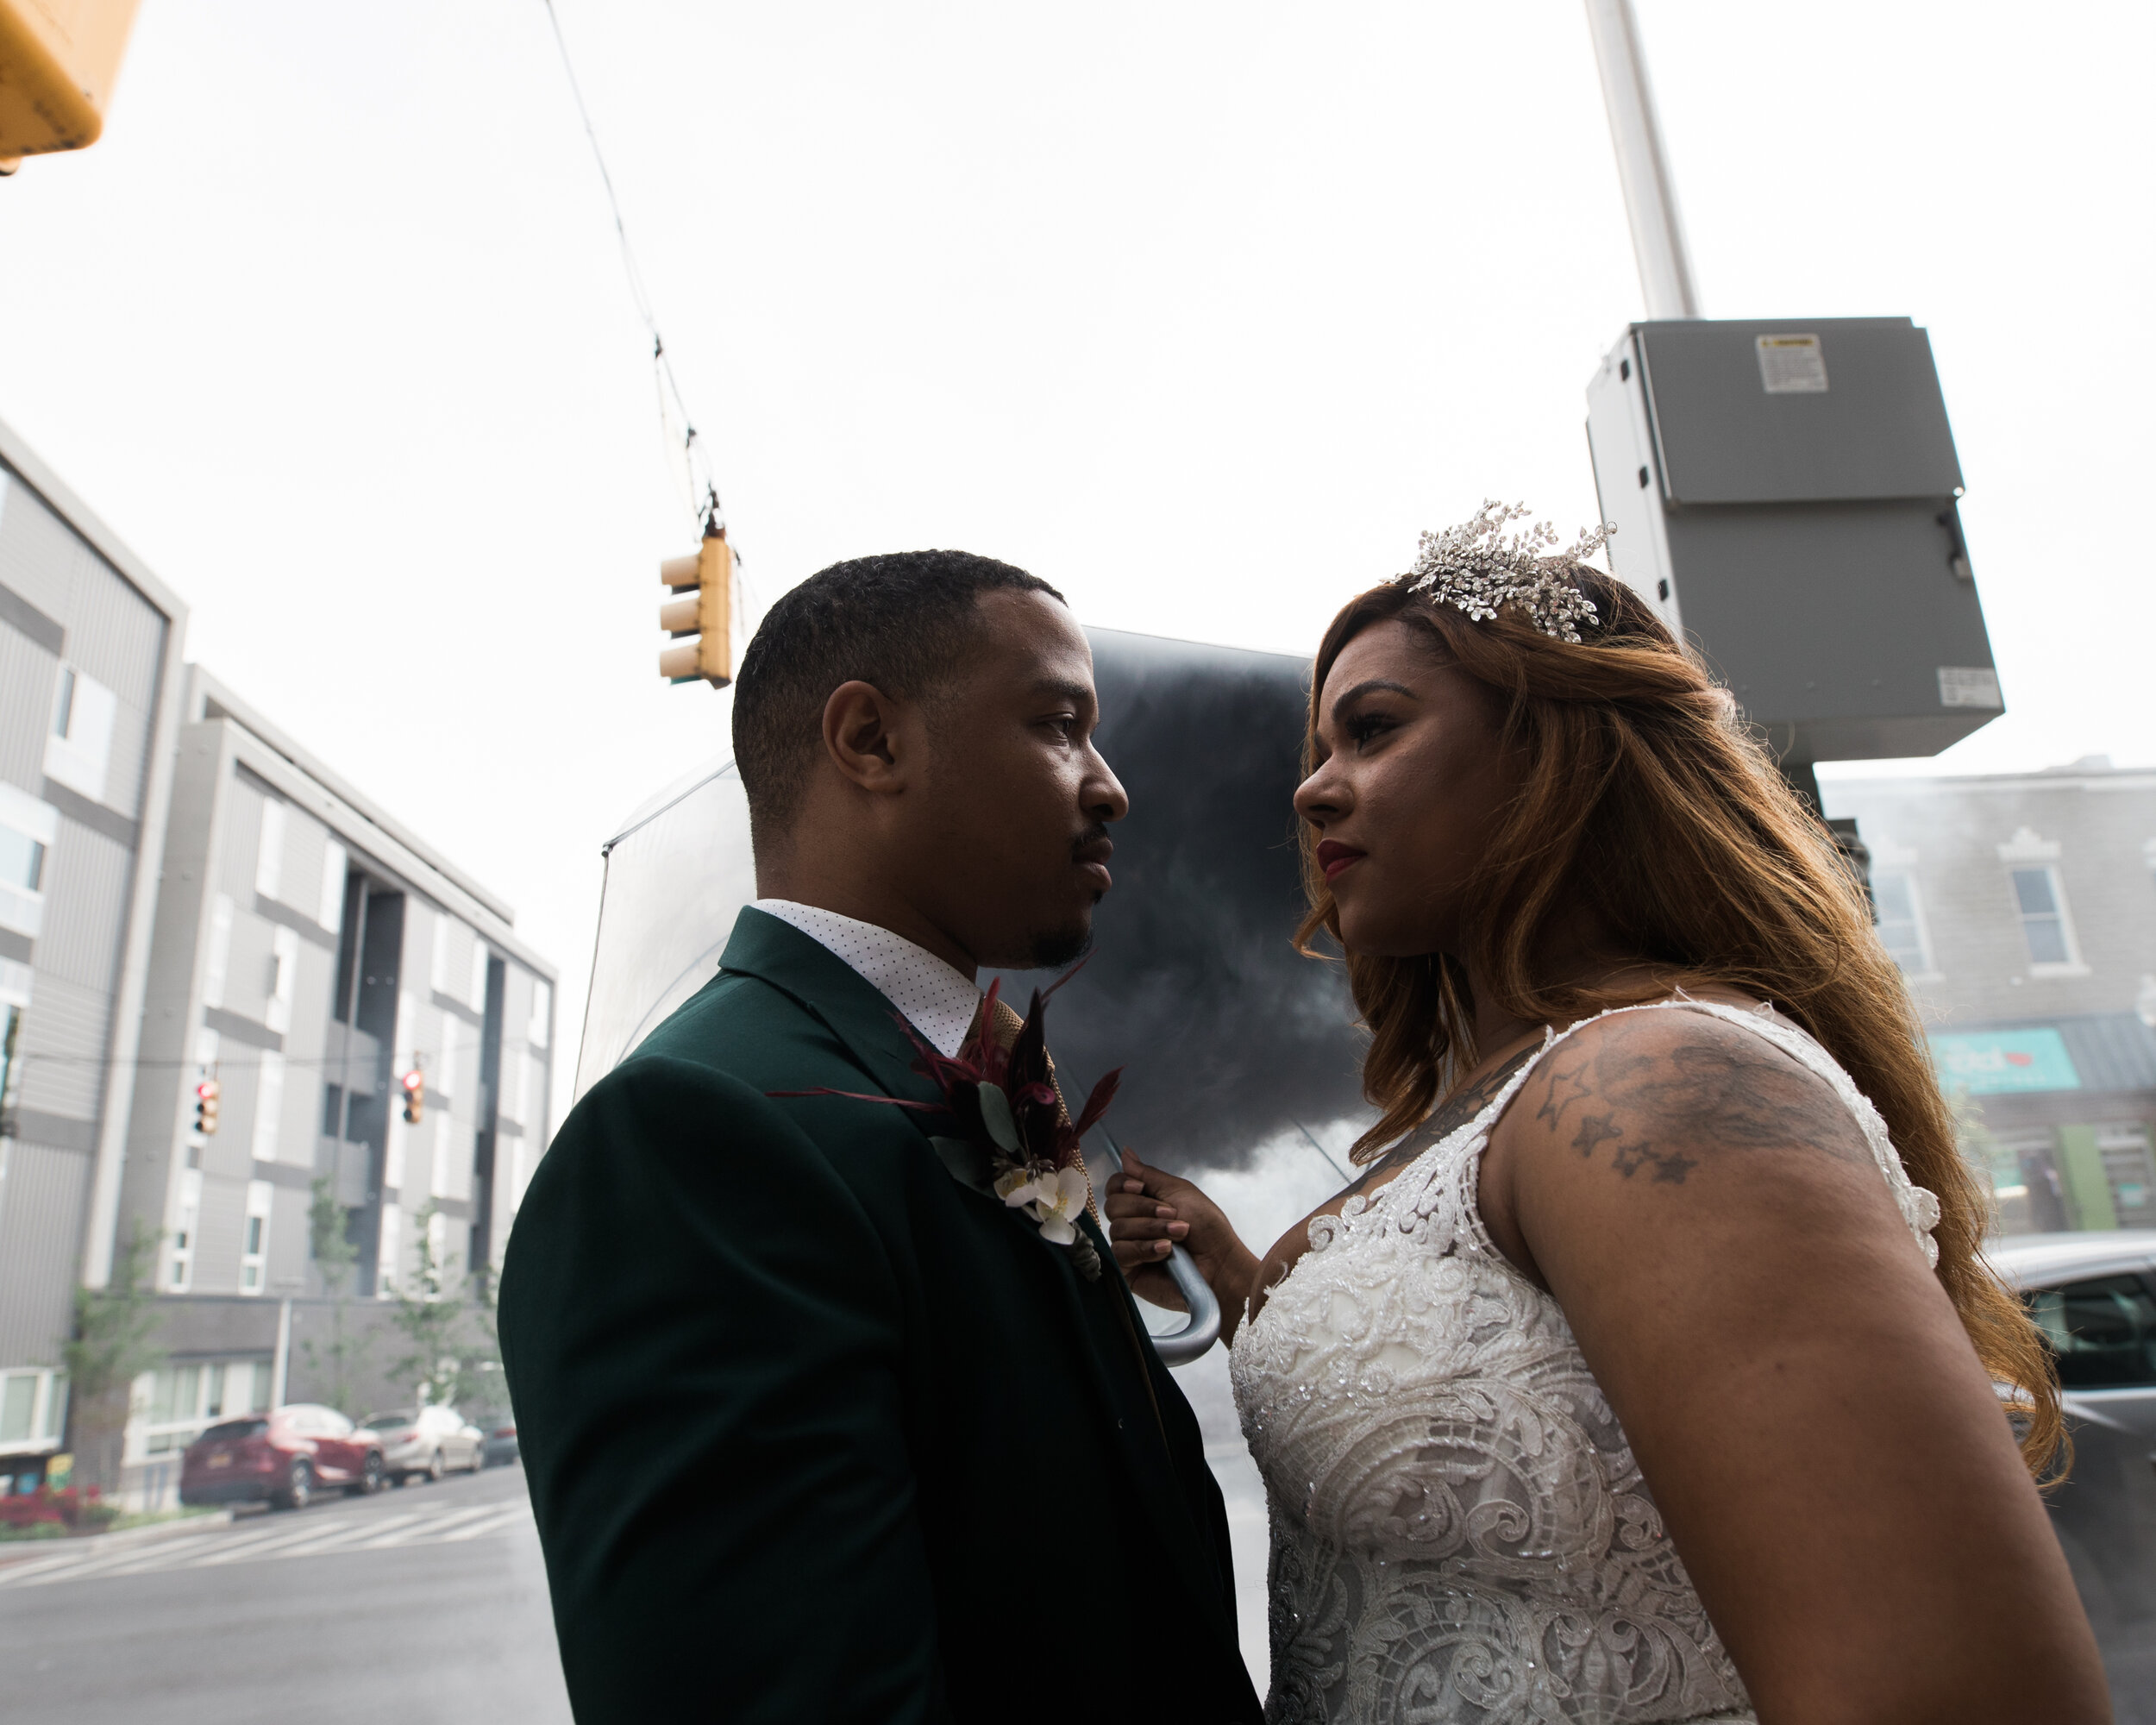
[221,1546]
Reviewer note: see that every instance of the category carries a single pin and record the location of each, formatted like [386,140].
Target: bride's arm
[1828,1452]
[1148,1210]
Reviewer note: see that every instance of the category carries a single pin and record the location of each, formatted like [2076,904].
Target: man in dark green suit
[815,1432]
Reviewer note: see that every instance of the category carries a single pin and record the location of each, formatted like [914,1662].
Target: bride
[1634,1379]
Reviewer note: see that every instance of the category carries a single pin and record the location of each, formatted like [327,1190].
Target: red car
[282,1458]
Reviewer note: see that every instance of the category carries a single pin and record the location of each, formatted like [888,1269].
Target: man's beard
[1052,949]
[1055,948]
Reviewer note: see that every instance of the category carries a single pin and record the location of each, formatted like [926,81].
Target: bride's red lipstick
[1334,856]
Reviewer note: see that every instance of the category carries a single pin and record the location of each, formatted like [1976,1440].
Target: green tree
[113,1343]
[330,1241]
[435,1320]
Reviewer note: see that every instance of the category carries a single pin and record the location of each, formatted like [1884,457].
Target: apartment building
[89,646]
[311,955]
[2022,908]
[188,896]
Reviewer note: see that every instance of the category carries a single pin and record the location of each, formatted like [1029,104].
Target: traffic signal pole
[1642,165]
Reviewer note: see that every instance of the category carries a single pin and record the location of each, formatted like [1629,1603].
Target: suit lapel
[869,1027]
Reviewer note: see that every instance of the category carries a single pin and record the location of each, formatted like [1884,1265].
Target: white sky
[1202,311]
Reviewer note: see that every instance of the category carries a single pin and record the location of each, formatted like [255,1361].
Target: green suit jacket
[814,1431]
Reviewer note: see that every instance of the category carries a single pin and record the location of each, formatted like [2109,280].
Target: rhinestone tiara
[1479,568]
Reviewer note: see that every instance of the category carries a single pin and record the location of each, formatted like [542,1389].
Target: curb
[14,1551]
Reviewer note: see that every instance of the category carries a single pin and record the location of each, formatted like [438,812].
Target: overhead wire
[709,511]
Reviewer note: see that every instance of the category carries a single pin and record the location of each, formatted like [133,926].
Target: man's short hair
[900,623]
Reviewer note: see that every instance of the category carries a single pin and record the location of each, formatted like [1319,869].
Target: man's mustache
[1094,844]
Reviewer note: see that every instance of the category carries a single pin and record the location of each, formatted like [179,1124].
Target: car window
[2102,1331]
[334,1424]
[233,1430]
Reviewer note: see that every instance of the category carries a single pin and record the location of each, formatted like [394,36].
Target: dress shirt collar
[938,1000]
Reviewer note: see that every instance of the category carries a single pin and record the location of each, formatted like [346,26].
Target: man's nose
[1104,796]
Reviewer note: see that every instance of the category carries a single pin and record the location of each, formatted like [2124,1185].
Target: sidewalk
[15,1551]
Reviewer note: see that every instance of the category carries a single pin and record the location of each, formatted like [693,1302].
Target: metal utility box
[1784,494]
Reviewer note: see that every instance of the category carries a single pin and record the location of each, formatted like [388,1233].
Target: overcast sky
[1201,311]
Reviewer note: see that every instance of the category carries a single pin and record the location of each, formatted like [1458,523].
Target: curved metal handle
[1180,1347]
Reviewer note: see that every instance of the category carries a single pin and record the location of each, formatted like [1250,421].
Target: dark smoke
[1226,1036]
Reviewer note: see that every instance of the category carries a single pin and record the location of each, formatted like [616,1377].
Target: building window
[79,749]
[27,829]
[184,1227]
[217,962]
[283,977]
[2043,911]
[1901,922]
[269,850]
[540,1030]
[254,1239]
[10,1067]
[174,1404]
[33,1409]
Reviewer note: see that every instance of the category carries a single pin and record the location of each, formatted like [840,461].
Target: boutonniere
[1013,1140]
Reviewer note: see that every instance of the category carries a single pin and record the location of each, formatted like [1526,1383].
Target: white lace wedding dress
[1460,1535]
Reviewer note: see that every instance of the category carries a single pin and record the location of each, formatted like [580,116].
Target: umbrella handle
[1180,1347]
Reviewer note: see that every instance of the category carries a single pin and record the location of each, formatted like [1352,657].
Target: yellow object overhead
[58,62]
[706,612]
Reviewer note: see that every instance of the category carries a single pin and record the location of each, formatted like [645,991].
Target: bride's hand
[1148,1210]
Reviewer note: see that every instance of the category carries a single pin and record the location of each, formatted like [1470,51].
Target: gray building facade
[311,954]
[2022,908]
[89,646]
[188,897]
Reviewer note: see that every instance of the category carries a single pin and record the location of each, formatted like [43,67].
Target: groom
[813,1430]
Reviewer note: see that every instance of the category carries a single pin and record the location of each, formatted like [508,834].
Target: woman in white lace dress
[1636,1379]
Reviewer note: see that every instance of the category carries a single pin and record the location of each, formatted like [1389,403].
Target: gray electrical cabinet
[1784,494]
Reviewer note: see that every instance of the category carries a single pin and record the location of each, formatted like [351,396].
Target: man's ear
[864,734]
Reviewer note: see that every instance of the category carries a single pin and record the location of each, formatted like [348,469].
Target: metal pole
[283,1360]
[1642,165]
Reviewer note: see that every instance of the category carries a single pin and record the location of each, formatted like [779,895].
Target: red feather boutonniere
[1015,1140]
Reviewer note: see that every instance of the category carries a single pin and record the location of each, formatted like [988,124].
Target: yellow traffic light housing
[415,1087]
[58,62]
[206,1097]
[706,612]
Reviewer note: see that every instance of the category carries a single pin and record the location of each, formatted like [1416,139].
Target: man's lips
[1092,855]
[1334,856]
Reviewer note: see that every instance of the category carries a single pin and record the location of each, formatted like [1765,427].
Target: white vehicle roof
[2041,1260]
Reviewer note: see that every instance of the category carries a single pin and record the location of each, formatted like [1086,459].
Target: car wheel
[434,1469]
[479,1459]
[398,1480]
[300,1486]
[370,1480]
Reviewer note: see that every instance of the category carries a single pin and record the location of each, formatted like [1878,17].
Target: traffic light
[707,580]
[206,1094]
[57,67]
[415,1085]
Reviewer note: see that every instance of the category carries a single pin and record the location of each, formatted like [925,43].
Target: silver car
[427,1442]
[2094,1296]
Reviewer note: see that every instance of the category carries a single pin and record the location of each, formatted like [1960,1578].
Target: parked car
[428,1442]
[2094,1296]
[283,1459]
[500,1428]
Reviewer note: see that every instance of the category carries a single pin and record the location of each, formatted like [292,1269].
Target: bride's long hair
[1646,800]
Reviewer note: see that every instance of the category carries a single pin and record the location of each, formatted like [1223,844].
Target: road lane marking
[515,1513]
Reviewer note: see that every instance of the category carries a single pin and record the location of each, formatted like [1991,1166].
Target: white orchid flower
[1050,1198]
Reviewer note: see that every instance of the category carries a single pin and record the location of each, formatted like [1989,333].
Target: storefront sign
[1992,1063]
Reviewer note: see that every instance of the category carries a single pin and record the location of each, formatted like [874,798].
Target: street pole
[281,1368]
[1642,165]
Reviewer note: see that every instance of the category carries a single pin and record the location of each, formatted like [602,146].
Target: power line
[669,385]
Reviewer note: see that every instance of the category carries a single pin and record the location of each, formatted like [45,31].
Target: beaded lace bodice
[1460,1535]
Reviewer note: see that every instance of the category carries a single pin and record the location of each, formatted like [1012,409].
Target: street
[423,1605]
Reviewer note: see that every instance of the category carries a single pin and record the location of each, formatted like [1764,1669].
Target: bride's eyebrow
[1373,686]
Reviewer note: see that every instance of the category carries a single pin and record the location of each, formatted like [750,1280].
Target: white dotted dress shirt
[936,1000]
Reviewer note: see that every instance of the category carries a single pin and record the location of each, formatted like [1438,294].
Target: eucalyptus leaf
[995,1114]
[967,1164]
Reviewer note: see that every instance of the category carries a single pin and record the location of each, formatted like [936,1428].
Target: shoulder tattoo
[1659,1105]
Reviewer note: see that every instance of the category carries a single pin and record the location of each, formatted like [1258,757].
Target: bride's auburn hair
[1645,798]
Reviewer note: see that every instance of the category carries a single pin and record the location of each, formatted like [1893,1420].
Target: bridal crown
[1479,568]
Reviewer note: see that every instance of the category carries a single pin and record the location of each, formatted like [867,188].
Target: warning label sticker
[1792,364]
[1969,686]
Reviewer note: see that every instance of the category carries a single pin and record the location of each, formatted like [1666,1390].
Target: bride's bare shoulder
[1656,1094]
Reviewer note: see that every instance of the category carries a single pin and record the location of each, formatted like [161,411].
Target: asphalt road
[426,1606]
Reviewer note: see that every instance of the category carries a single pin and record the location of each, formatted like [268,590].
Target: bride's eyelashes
[1364,727]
